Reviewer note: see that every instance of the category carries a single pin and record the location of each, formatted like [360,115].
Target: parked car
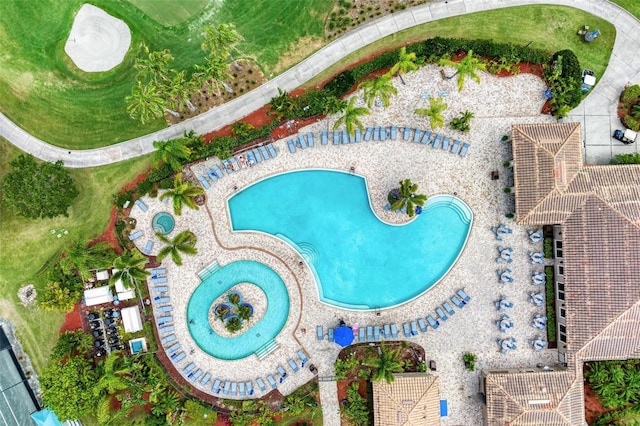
[626,137]
[588,80]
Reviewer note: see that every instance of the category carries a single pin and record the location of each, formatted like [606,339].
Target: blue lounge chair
[414,328]
[368,133]
[194,376]
[310,139]
[376,333]
[358,135]
[234,163]
[135,235]
[319,333]
[407,330]
[261,384]
[464,149]
[445,143]
[300,142]
[227,385]
[283,374]
[216,386]
[369,333]
[159,271]
[272,153]
[204,182]
[166,308]
[383,133]
[303,357]
[205,379]
[425,137]
[455,146]
[441,314]
[437,141]
[465,298]
[324,137]
[432,322]
[142,206]
[212,175]
[166,329]
[387,331]
[160,289]
[249,386]
[226,165]
[162,300]
[188,368]
[361,337]
[173,348]
[331,335]
[423,325]
[234,389]
[178,358]
[336,137]
[394,331]
[271,381]
[159,280]
[376,133]
[256,153]
[447,307]
[394,132]
[241,389]
[293,365]
[292,147]
[264,152]
[416,136]
[352,138]
[406,134]
[148,247]
[217,171]
[169,338]
[345,137]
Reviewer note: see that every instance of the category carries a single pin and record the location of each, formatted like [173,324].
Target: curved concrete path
[597,112]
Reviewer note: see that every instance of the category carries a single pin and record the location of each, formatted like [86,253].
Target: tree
[406,62]
[351,117]
[436,107]
[60,297]
[462,123]
[171,152]
[38,190]
[221,41]
[72,343]
[80,258]
[381,87]
[356,409]
[184,242]
[182,193]
[386,364]
[406,198]
[67,387]
[130,269]
[154,68]
[468,67]
[180,92]
[145,103]
[114,375]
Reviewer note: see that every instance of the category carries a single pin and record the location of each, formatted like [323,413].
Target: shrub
[633,158]
[122,197]
[160,172]
[551,306]
[144,187]
[469,360]
[629,94]
[564,78]
[356,409]
[548,248]
[165,183]
[631,123]
[233,324]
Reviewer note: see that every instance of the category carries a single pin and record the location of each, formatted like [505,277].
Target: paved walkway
[597,112]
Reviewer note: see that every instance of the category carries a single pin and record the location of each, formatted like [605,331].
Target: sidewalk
[597,112]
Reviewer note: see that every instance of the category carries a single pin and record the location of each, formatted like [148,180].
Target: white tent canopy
[123,293]
[98,296]
[131,319]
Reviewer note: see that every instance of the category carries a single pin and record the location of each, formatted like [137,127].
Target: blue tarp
[46,417]
[444,408]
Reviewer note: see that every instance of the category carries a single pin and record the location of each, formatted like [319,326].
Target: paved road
[597,112]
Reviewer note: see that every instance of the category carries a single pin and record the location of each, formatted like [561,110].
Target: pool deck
[497,104]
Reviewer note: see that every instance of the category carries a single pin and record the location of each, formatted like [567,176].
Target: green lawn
[633,6]
[551,28]
[170,12]
[28,244]
[43,92]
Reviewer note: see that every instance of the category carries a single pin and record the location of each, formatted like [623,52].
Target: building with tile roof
[412,399]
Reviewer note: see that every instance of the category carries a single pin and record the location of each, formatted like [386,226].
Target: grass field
[633,6]
[28,244]
[170,12]
[43,92]
[550,28]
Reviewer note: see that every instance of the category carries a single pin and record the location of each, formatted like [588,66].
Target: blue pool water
[217,283]
[136,347]
[359,261]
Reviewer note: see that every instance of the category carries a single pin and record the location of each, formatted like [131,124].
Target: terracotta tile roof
[533,398]
[413,399]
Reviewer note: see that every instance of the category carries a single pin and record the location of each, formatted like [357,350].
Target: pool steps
[208,271]
[266,349]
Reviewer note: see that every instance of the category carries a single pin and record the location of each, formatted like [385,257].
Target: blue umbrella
[46,417]
[343,335]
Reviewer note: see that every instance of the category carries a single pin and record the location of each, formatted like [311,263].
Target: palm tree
[171,152]
[213,74]
[180,91]
[129,268]
[184,242]
[381,87]
[223,40]
[154,67]
[351,117]
[436,107]
[182,193]
[406,62]
[145,102]
[467,67]
[80,258]
[114,377]
[386,364]
[405,197]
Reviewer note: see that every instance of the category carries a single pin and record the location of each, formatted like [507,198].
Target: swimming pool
[163,223]
[219,280]
[359,261]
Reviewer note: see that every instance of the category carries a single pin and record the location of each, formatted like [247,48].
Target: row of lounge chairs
[241,161]
[340,137]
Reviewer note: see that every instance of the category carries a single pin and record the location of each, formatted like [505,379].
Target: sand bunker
[98,41]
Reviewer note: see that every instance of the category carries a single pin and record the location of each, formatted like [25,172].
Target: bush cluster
[564,78]
[551,304]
